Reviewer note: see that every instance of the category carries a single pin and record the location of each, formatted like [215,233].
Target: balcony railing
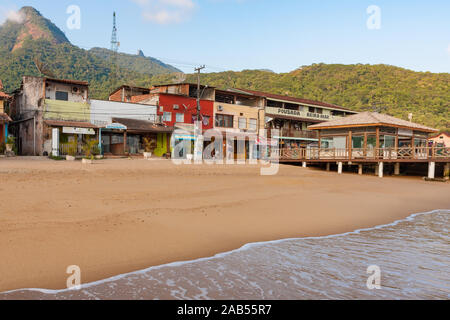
[344,154]
[306,134]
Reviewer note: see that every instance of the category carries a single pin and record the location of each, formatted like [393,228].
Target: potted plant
[10,144]
[149,146]
[89,150]
[72,150]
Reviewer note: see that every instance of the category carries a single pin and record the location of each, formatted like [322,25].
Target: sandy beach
[119,216]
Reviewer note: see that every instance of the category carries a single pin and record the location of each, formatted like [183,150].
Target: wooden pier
[379,157]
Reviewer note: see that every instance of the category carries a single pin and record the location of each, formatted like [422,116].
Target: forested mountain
[35,40]
[397,91]
[359,87]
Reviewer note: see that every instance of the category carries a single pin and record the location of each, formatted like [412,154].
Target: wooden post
[431,170]
[397,169]
[365,144]
[124,142]
[380,169]
[377,143]
[447,171]
[350,144]
[320,143]
[328,166]
[360,169]
[340,164]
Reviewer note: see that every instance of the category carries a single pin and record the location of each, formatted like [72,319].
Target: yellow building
[240,117]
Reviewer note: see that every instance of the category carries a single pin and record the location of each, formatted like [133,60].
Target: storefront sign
[116,126]
[72,130]
[295,113]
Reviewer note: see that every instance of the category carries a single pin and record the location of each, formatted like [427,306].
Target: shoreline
[247,246]
[86,218]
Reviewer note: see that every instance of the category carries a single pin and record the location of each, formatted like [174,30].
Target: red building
[177,109]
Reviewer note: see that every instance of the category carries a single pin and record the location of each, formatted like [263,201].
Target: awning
[142,125]
[184,137]
[4,118]
[76,124]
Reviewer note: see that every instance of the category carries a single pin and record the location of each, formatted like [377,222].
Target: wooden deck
[417,154]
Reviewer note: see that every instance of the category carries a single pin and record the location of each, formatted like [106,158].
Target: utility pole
[198,70]
[198,147]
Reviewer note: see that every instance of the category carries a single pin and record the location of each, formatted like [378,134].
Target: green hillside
[391,89]
[394,90]
[38,39]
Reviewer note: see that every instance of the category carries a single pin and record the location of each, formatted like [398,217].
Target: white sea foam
[227,272]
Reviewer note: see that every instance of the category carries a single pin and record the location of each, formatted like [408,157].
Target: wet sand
[119,216]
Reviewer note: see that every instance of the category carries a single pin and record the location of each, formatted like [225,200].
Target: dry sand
[118,216]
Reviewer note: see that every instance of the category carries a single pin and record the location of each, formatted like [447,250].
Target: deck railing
[408,153]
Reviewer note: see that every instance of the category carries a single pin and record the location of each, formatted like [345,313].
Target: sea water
[412,256]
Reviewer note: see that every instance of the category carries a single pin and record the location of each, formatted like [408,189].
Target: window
[357,142]
[206,120]
[62,95]
[316,110]
[224,121]
[389,142]
[242,123]
[253,123]
[326,143]
[167,116]
[180,117]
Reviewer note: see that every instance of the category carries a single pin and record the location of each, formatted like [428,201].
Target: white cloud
[166,11]
[11,15]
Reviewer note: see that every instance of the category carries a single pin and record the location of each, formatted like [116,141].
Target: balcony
[303,134]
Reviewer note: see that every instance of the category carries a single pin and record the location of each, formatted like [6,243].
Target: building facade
[292,117]
[441,140]
[49,114]
[125,126]
[4,118]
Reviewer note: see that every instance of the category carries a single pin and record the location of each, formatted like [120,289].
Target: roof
[68,81]
[370,119]
[77,124]
[130,87]
[4,118]
[293,99]
[447,133]
[143,125]
[4,95]
[182,83]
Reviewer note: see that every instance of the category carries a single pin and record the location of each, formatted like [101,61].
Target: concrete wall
[102,111]
[237,110]
[442,138]
[80,96]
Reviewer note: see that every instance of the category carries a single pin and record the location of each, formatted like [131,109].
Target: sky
[278,35]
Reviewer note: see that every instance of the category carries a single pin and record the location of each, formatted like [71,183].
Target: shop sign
[72,130]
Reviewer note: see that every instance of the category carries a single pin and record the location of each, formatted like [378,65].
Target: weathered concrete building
[4,118]
[43,104]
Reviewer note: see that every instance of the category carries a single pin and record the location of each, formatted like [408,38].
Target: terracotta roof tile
[371,118]
[293,99]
